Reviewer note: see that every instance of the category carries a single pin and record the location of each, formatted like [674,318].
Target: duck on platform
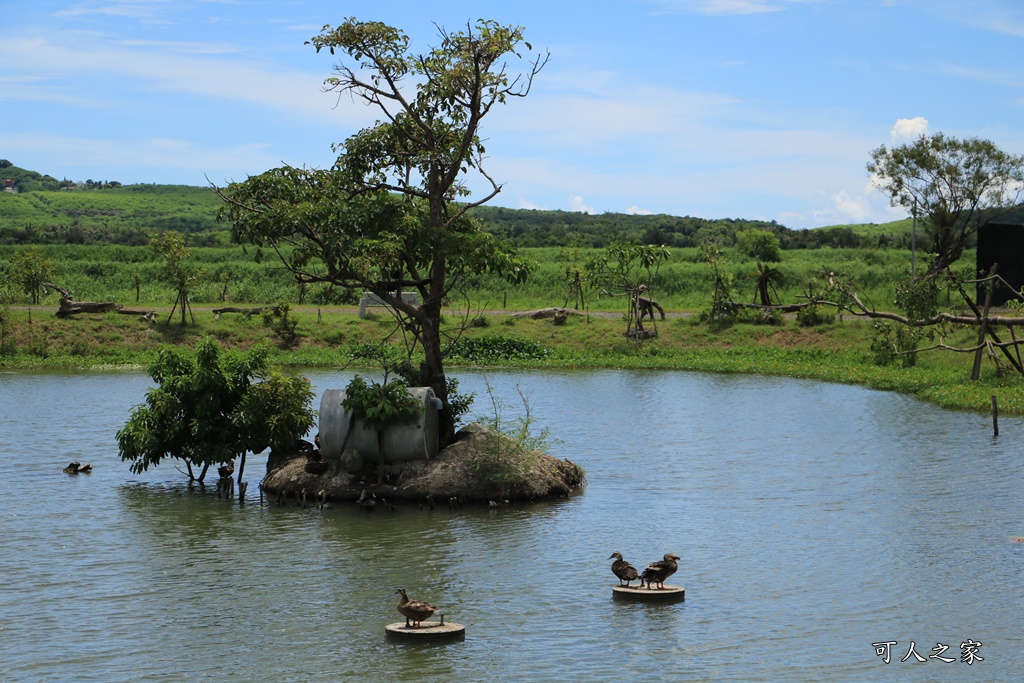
[623,570]
[657,572]
[413,610]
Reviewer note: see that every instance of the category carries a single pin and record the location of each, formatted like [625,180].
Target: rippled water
[813,520]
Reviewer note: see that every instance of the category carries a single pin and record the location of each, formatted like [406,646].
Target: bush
[483,349]
[759,244]
[894,342]
[815,315]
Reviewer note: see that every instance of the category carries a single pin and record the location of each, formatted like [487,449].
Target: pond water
[813,521]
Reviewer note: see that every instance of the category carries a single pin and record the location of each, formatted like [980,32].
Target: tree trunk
[432,371]
[241,467]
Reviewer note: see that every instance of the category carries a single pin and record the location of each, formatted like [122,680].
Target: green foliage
[628,269]
[28,270]
[918,298]
[496,348]
[279,319]
[380,406]
[721,312]
[815,315]
[575,277]
[383,218]
[766,278]
[759,244]
[128,215]
[176,270]
[5,321]
[275,412]
[203,414]
[513,448]
[894,342]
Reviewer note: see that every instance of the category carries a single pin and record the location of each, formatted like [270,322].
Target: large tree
[956,185]
[385,219]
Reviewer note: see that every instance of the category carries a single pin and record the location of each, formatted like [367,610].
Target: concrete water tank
[416,440]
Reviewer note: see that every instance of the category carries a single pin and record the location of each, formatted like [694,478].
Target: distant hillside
[530,228]
[45,210]
[104,212]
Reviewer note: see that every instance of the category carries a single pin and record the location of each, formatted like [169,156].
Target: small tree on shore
[170,248]
[29,270]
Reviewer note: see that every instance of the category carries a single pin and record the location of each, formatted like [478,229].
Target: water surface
[813,521]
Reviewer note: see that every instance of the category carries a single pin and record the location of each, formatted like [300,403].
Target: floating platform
[427,631]
[666,594]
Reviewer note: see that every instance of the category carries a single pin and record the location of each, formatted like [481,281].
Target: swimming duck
[622,569]
[657,572]
[415,610]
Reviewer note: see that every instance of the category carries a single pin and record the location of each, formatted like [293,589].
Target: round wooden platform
[427,631]
[666,594]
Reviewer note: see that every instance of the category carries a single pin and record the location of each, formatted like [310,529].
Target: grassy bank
[35,339]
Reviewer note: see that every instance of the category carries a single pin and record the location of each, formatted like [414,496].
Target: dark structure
[1001,243]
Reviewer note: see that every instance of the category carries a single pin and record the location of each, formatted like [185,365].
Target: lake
[813,521]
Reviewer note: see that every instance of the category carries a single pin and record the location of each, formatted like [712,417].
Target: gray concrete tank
[416,440]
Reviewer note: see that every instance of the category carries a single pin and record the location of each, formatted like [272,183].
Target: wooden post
[995,417]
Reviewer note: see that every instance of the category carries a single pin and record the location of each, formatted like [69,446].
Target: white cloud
[908,129]
[637,211]
[163,67]
[997,16]
[524,203]
[576,203]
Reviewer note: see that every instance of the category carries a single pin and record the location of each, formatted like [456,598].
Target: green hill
[39,209]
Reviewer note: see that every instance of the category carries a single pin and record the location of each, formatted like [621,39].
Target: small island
[479,466]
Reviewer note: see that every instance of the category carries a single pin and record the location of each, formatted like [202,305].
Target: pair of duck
[656,572]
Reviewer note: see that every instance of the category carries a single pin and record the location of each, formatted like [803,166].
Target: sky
[752,109]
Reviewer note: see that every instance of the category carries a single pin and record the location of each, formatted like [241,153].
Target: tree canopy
[212,408]
[956,185]
[384,218]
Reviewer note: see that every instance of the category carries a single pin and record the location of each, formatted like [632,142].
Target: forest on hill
[39,209]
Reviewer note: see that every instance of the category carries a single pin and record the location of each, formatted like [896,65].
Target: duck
[414,610]
[622,569]
[367,501]
[78,468]
[657,572]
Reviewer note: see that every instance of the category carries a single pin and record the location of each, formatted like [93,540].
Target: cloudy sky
[763,109]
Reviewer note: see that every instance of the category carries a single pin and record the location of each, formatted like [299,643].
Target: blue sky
[756,109]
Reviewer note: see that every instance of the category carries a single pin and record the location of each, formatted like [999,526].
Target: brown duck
[413,610]
[657,572]
[623,570]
